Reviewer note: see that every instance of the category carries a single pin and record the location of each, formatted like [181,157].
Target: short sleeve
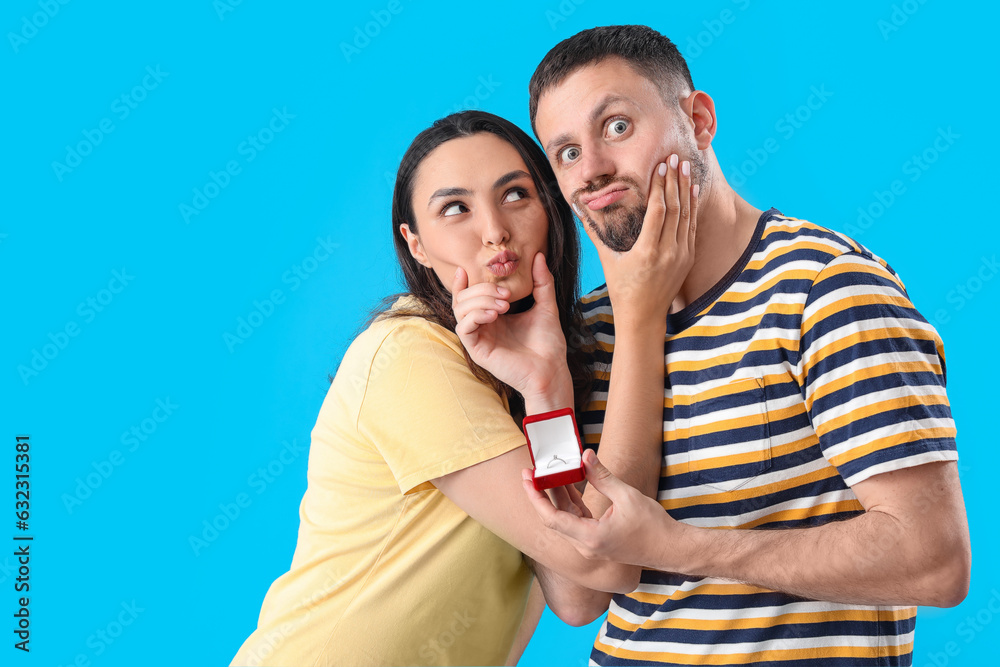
[872,372]
[425,411]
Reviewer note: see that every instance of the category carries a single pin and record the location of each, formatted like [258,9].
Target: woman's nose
[494,230]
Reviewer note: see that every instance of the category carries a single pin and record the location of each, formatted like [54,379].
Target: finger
[561,499]
[672,198]
[569,525]
[603,479]
[466,306]
[482,289]
[656,208]
[683,203]
[577,499]
[544,289]
[539,500]
[458,283]
[477,318]
[464,301]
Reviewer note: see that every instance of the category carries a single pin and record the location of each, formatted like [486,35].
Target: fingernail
[695,190]
[673,161]
[500,303]
[577,211]
[662,169]
[686,168]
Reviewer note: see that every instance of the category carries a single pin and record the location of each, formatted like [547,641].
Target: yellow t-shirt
[387,570]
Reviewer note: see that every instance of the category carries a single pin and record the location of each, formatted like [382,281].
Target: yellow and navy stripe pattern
[805,370]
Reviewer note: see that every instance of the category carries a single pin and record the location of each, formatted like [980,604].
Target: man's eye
[516,194]
[618,127]
[569,154]
[453,209]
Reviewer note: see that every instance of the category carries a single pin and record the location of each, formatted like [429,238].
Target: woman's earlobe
[413,244]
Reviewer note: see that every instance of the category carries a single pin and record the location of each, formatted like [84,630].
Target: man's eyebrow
[604,104]
[594,115]
[558,141]
[510,176]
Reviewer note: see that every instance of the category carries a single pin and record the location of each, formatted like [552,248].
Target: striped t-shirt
[805,370]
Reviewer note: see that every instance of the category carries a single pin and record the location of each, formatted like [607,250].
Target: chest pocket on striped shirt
[728,441]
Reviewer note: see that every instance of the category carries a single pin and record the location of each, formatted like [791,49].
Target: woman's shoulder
[403,328]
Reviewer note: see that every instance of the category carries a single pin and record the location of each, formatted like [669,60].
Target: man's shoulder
[784,244]
[794,238]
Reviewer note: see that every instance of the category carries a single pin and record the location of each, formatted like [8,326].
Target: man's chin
[618,231]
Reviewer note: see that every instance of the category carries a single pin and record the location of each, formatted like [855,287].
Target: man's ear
[700,109]
[413,243]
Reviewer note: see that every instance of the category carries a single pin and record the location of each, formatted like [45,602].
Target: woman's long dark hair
[562,253]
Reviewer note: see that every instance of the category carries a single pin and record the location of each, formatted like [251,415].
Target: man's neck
[725,227]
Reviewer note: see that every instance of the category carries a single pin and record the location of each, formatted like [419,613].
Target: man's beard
[622,224]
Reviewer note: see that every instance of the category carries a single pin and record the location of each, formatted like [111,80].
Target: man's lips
[503,264]
[607,196]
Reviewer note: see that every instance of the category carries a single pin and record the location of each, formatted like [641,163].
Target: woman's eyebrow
[463,192]
[510,176]
[448,192]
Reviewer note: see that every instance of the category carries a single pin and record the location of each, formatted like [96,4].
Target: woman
[414,521]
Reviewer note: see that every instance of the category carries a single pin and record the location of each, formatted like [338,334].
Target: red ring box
[557,446]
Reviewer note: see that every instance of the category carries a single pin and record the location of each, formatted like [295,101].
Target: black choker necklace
[521,305]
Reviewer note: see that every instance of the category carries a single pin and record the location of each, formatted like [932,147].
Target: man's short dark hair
[648,52]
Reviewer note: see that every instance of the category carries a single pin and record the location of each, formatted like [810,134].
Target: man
[803,394]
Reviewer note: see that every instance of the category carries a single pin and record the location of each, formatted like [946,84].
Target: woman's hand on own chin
[524,350]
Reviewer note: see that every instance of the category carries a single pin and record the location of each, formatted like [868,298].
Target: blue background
[897,74]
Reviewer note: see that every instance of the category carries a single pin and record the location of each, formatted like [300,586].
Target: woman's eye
[569,154]
[453,209]
[515,195]
[618,127]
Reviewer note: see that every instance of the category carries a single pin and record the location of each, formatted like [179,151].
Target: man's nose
[596,165]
